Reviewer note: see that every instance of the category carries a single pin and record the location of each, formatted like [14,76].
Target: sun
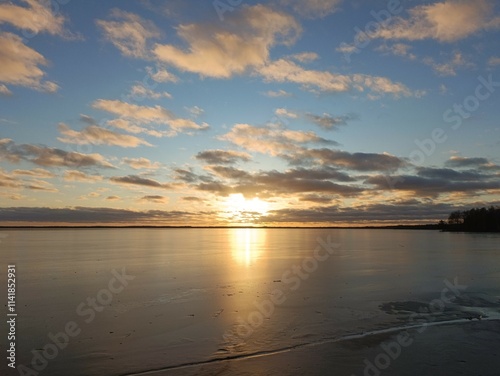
[237,205]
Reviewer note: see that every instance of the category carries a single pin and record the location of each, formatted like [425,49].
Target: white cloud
[147,114]
[446,21]
[161,75]
[305,57]
[37,17]
[129,33]
[287,71]
[139,92]
[226,48]
[21,65]
[141,163]
[4,90]
[283,112]
[277,93]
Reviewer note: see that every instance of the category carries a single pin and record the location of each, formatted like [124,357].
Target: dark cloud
[466,162]
[137,180]
[430,186]
[79,215]
[48,157]
[155,199]
[329,122]
[346,160]
[218,157]
[449,174]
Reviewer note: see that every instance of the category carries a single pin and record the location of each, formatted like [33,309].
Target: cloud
[49,157]
[91,215]
[74,175]
[434,186]
[397,49]
[329,122]
[37,17]
[277,93]
[113,198]
[271,139]
[161,75]
[283,112]
[137,180]
[36,173]
[155,199]
[446,21]
[147,114]
[283,70]
[226,48]
[4,91]
[450,67]
[141,163]
[313,8]
[494,61]
[98,136]
[222,156]
[346,160]
[129,33]
[465,162]
[305,57]
[21,65]
[139,92]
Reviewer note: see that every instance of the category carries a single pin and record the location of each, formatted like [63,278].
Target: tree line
[477,219]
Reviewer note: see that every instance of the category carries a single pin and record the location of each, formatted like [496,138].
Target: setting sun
[238,205]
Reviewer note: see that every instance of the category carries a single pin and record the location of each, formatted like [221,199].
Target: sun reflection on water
[247,244]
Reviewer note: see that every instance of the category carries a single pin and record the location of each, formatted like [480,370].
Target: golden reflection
[247,244]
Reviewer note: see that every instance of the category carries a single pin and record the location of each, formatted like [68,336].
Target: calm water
[200,294]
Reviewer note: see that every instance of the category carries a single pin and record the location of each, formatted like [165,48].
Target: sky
[233,112]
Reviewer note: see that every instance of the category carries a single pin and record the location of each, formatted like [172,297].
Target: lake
[246,301]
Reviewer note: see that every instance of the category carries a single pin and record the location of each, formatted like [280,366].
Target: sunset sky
[288,112]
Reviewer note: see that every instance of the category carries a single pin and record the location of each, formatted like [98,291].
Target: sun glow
[238,205]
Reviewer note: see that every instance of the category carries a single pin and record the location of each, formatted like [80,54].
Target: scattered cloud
[36,173]
[47,157]
[226,48]
[98,136]
[139,92]
[220,157]
[329,122]
[141,163]
[129,33]
[283,70]
[36,18]
[4,91]
[277,93]
[397,49]
[147,114]
[494,61]
[445,21]
[21,65]
[155,199]
[305,57]
[283,112]
[140,181]
[313,8]
[450,67]
[271,139]
[74,175]
[161,74]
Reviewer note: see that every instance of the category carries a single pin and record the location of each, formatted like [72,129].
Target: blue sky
[321,112]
